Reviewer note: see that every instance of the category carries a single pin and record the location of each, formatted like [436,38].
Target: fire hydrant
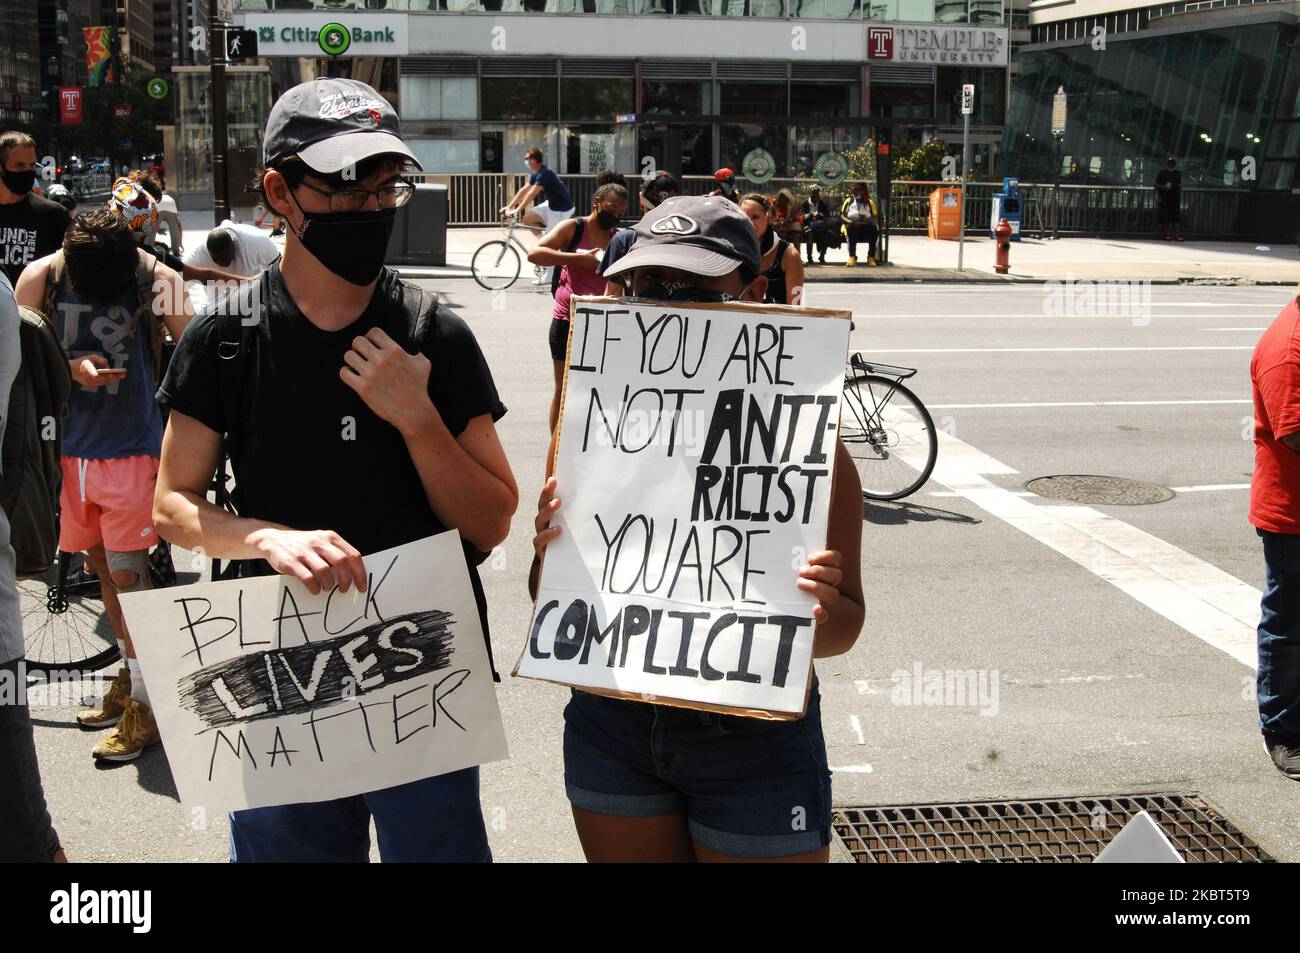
[1002,238]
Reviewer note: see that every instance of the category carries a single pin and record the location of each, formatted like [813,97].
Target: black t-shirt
[30,228]
[306,450]
[1172,178]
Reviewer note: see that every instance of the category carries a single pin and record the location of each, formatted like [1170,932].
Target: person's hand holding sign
[320,559]
[547,506]
[820,577]
[393,383]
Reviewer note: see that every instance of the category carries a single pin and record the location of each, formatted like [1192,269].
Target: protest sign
[694,467]
[266,694]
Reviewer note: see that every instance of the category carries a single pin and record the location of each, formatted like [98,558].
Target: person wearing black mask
[657,189]
[349,432]
[31,227]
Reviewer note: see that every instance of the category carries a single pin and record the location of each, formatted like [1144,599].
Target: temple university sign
[937,44]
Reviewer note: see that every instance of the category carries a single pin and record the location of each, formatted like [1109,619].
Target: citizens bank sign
[298,34]
[937,44]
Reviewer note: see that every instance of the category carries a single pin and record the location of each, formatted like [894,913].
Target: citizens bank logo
[77,906]
[880,43]
[675,225]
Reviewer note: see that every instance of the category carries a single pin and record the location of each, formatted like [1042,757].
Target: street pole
[217,57]
[967,106]
[1056,185]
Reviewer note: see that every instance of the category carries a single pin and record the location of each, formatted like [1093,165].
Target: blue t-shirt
[557,196]
[121,419]
[617,248]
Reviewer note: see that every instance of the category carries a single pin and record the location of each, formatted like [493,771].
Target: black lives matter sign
[694,465]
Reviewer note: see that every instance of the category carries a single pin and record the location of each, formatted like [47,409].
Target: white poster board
[266,694]
[694,466]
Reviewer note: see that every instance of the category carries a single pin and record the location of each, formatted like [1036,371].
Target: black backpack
[572,246]
[31,474]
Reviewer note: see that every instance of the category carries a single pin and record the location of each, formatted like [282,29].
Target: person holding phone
[113,434]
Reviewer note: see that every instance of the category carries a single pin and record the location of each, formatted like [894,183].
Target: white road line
[1232,329]
[1092,403]
[1208,487]
[1212,605]
[1031,350]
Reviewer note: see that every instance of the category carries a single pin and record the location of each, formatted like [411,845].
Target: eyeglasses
[393,195]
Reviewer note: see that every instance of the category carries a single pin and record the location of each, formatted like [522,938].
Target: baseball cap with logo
[702,234]
[332,124]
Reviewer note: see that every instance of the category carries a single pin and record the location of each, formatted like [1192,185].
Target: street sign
[334,39]
[157,88]
[241,45]
[225,10]
[1058,112]
[967,99]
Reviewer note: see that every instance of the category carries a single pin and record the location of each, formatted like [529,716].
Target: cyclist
[575,246]
[113,434]
[735,781]
[557,207]
[782,265]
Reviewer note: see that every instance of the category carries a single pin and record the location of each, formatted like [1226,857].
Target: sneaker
[111,706]
[852,262]
[1285,755]
[136,731]
[871,263]
[821,260]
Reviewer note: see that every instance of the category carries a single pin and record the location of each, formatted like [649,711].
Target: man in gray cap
[693,248]
[357,417]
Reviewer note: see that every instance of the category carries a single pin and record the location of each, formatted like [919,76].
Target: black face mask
[19,183]
[684,291]
[352,245]
[606,220]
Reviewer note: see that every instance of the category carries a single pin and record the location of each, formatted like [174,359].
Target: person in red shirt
[1275,512]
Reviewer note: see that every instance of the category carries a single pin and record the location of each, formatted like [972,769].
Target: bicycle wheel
[64,628]
[495,265]
[890,436]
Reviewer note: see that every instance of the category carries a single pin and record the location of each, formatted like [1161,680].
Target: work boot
[871,263]
[852,262]
[111,706]
[1285,755]
[136,731]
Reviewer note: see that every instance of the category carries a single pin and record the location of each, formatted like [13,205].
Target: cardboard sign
[266,694]
[694,466]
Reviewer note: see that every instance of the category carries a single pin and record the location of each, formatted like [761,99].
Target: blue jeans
[1278,682]
[436,820]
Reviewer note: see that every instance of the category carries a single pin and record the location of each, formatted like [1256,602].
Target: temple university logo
[880,43]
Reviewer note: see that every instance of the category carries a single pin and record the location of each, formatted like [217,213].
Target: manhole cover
[1054,830]
[1084,488]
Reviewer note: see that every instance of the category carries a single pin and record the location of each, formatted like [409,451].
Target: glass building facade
[1224,100]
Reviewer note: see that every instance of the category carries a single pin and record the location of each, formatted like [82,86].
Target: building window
[433,97]
[752,99]
[591,148]
[660,98]
[601,99]
[528,98]
[446,155]
[902,102]
[823,99]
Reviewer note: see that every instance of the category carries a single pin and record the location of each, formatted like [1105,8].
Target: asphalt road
[1105,636]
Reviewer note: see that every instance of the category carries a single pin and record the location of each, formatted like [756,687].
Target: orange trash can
[945,213]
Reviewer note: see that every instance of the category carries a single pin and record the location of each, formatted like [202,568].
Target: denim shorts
[748,787]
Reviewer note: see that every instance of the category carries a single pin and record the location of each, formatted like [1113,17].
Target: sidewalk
[916,258]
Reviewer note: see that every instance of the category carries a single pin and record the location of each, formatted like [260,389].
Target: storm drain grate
[1054,830]
[1086,488]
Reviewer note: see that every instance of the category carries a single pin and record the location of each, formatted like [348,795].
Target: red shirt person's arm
[1279,390]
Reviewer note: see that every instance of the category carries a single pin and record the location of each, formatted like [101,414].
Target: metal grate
[1053,830]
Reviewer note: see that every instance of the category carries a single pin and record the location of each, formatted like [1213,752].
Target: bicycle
[64,623]
[496,264]
[887,430]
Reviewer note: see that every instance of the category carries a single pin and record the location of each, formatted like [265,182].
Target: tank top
[121,419]
[776,291]
[577,281]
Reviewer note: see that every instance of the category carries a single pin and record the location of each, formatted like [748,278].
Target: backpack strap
[420,308]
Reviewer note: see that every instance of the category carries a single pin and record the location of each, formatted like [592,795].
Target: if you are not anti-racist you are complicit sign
[266,694]
[694,467]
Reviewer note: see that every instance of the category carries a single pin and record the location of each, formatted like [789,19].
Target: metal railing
[474,199]
[763,9]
